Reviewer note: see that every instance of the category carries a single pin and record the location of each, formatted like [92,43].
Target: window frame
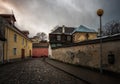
[68,38]
[14,51]
[23,41]
[58,37]
[15,37]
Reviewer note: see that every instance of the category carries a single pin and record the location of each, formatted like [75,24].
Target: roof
[20,32]
[12,26]
[25,31]
[8,16]
[67,30]
[82,28]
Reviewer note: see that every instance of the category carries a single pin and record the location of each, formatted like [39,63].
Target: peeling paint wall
[89,55]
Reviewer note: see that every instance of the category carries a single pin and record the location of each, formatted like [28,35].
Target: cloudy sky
[44,15]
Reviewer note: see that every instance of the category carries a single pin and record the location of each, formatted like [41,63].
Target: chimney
[63,29]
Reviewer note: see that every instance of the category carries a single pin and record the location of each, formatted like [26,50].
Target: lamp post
[100,13]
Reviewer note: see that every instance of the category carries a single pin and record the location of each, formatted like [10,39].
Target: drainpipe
[3,54]
[7,45]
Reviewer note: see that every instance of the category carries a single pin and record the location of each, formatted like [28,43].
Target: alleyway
[34,71]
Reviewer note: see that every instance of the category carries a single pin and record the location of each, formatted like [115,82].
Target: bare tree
[42,36]
[112,27]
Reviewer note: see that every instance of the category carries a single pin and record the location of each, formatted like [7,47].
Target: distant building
[17,44]
[35,39]
[60,36]
[66,35]
[40,49]
[83,33]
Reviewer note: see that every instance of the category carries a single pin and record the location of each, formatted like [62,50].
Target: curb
[87,82]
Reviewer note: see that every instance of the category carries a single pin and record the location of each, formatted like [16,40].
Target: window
[53,45]
[15,38]
[14,51]
[68,38]
[87,36]
[23,41]
[58,37]
[59,44]
[26,42]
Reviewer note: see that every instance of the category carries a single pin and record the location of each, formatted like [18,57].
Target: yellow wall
[78,37]
[10,44]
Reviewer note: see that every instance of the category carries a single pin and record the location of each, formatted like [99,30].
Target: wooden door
[23,53]
[30,53]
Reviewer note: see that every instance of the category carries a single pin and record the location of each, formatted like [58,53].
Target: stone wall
[88,54]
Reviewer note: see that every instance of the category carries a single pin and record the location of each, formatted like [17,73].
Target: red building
[40,49]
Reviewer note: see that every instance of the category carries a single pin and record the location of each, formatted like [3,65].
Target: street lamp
[100,13]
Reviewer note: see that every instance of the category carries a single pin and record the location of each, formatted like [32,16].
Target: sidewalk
[85,74]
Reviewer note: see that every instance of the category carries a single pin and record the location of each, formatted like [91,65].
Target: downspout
[3,54]
[7,44]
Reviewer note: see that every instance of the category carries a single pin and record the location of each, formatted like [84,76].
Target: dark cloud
[43,15]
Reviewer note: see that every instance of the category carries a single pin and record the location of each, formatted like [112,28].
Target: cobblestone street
[34,71]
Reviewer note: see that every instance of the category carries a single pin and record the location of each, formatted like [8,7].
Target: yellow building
[17,44]
[83,33]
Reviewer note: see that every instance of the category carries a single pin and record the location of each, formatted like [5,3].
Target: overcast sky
[44,15]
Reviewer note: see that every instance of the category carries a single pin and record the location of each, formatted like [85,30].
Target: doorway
[22,53]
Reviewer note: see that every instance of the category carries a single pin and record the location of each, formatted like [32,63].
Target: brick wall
[88,53]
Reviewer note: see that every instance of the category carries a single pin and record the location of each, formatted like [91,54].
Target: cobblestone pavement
[34,71]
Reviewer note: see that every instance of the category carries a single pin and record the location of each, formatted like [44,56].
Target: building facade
[83,33]
[66,35]
[35,39]
[17,44]
[61,36]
